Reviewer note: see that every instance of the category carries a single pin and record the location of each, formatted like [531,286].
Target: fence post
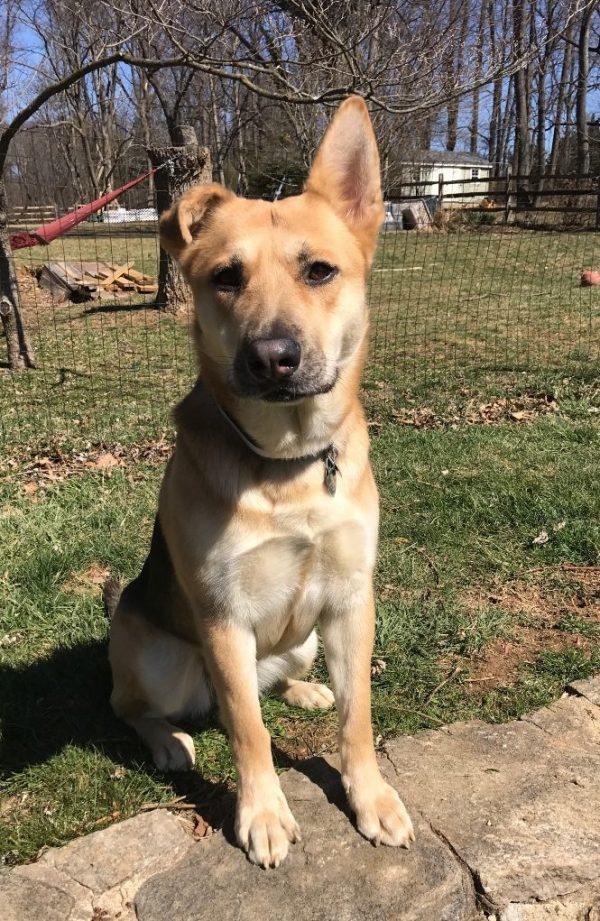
[181,166]
[507,195]
[598,203]
[440,192]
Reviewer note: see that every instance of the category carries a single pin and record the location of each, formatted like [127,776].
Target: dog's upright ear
[346,172]
[183,222]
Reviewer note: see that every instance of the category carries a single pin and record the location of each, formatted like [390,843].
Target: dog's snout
[273,359]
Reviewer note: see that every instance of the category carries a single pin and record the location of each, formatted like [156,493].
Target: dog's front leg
[264,824]
[348,636]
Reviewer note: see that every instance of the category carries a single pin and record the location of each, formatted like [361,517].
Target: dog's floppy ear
[346,172]
[183,221]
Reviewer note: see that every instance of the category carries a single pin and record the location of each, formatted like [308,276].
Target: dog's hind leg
[281,673]
[156,677]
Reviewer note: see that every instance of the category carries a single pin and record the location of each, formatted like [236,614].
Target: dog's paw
[174,752]
[381,815]
[308,694]
[265,827]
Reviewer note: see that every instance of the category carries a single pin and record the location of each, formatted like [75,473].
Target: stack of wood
[87,281]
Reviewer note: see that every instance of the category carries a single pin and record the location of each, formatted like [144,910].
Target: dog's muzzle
[280,371]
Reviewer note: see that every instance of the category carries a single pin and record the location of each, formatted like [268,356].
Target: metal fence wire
[466,291]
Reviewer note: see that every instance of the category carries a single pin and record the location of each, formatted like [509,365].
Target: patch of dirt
[91,580]
[38,469]
[305,736]
[17,805]
[8,806]
[518,410]
[39,303]
[548,617]
[33,298]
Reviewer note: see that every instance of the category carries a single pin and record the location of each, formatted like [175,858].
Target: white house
[460,172]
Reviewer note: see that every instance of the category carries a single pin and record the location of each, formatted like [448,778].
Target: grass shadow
[56,701]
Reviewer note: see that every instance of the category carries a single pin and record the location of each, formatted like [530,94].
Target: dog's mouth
[293,393]
[290,391]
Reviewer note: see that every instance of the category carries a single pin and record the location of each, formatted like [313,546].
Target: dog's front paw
[265,826]
[381,815]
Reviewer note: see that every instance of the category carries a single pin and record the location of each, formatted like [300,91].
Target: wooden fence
[514,198]
[32,215]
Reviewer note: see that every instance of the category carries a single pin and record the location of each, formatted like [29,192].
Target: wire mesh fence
[477,290]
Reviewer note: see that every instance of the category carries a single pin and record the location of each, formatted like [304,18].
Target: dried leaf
[378,666]
[10,639]
[95,574]
[559,526]
[30,488]
[94,578]
[542,538]
[105,461]
[201,828]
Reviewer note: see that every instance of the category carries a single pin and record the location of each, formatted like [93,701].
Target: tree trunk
[474,133]
[183,166]
[506,125]
[522,145]
[454,65]
[558,132]
[494,143]
[142,99]
[583,69]
[19,351]
[216,119]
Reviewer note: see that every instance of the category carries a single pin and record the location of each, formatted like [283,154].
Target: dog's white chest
[304,560]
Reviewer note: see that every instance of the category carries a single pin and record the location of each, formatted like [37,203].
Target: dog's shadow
[63,700]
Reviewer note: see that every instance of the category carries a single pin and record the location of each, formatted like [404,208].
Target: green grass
[446,305]
[460,510]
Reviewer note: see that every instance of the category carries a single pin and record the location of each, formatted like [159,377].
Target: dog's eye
[228,279]
[320,272]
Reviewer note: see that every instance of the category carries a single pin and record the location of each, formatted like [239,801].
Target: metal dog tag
[331,469]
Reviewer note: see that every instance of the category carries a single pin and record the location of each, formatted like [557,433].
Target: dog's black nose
[273,359]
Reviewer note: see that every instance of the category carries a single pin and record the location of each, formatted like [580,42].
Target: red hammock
[49,232]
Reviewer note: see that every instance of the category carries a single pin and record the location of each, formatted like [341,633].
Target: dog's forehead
[252,228]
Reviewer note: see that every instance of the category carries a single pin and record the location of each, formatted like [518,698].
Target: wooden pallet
[86,280]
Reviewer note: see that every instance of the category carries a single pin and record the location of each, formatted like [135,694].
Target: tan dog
[268,514]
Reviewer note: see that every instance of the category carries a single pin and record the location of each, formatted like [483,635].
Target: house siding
[426,177]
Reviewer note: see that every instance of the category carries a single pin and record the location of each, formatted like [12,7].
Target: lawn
[488,583]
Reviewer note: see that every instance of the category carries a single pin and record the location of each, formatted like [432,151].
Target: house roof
[447,158]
